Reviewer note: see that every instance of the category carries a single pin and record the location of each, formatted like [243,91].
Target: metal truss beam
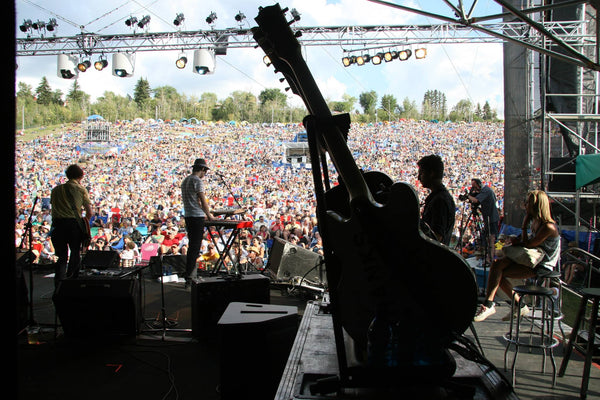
[349,38]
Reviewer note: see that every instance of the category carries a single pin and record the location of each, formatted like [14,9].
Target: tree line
[46,106]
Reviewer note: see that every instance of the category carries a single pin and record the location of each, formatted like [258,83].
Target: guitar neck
[332,137]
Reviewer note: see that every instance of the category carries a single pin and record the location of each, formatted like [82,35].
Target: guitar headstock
[274,35]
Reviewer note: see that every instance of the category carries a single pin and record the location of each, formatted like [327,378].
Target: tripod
[474,223]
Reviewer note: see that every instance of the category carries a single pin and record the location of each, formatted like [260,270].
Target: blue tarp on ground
[585,242]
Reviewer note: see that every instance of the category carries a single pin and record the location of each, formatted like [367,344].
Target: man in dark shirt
[439,209]
[485,196]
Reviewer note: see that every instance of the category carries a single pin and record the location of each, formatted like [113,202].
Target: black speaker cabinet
[255,342]
[212,295]
[100,259]
[108,308]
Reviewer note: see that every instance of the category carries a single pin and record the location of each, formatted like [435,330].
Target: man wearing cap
[196,211]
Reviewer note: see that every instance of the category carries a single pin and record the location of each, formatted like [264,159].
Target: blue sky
[472,71]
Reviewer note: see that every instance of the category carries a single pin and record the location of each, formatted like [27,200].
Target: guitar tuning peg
[281,80]
[287,88]
[298,34]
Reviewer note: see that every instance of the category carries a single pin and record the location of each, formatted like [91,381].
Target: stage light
[51,24]
[361,60]
[239,17]
[178,19]
[267,61]
[131,21]
[38,25]
[211,18]
[204,62]
[84,65]
[145,21]
[377,58]
[101,63]
[404,55]
[25,26]
[420,53]
[181,61]
[390,56]
[347,61]
[67,66]
[295,14]
[123,65]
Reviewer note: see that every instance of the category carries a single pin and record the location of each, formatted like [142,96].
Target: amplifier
[100,259]
[212,295]
[107,308]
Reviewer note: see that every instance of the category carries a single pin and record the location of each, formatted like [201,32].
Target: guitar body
[385,258]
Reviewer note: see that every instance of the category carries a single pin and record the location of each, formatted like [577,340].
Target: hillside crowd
[134,179]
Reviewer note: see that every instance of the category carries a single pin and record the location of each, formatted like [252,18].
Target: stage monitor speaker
[212,295]
[255,341]
[562,182]
[295,261]
[100,259]
[172,264]
[103,308]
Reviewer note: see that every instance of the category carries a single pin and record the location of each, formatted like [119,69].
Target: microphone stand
[28,232]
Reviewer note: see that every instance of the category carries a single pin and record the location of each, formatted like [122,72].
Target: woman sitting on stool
[545,235]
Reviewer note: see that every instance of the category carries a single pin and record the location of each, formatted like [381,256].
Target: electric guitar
[376,253]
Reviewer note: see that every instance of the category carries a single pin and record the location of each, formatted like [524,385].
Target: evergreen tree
[142,92]
[43,92]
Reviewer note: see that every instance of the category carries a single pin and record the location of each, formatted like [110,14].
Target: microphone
[218,173]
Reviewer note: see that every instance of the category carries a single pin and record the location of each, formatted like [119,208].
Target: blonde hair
[539,205]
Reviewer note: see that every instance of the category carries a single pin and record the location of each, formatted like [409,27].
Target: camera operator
[485,197]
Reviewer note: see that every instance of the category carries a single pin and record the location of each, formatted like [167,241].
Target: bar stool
[587,349]
[551,279]
[541,338]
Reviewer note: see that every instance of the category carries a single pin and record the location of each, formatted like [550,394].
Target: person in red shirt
[172,238]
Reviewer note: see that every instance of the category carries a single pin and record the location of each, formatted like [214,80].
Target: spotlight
[404,55]
[123,65]
[295,14]
[145,21]
[204,62]
[38,25]
[347,61]
[84,65]
[131,21]
[267,61]
[377,58]
[181,61]
[25,26]
[239,17]
[211,18]
[67,66]
[420,53]
[51,24]
[390,55]
[101,64]
[361,60]
[178,19]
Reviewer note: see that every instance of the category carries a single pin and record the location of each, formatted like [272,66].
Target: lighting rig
[379,57]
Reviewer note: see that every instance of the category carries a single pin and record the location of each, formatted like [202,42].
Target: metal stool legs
[545,334]
[594,295]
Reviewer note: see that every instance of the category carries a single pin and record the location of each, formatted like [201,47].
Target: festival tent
[94,117]
[587,170]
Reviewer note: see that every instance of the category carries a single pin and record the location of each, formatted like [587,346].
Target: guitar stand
[164,320]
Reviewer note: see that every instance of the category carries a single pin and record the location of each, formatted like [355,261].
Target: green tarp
[587,170]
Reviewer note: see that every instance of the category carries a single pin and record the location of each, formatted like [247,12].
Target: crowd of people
[134,179]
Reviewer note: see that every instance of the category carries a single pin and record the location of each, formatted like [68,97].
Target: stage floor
[173,364]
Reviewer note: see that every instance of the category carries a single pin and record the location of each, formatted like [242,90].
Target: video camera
[466,194]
